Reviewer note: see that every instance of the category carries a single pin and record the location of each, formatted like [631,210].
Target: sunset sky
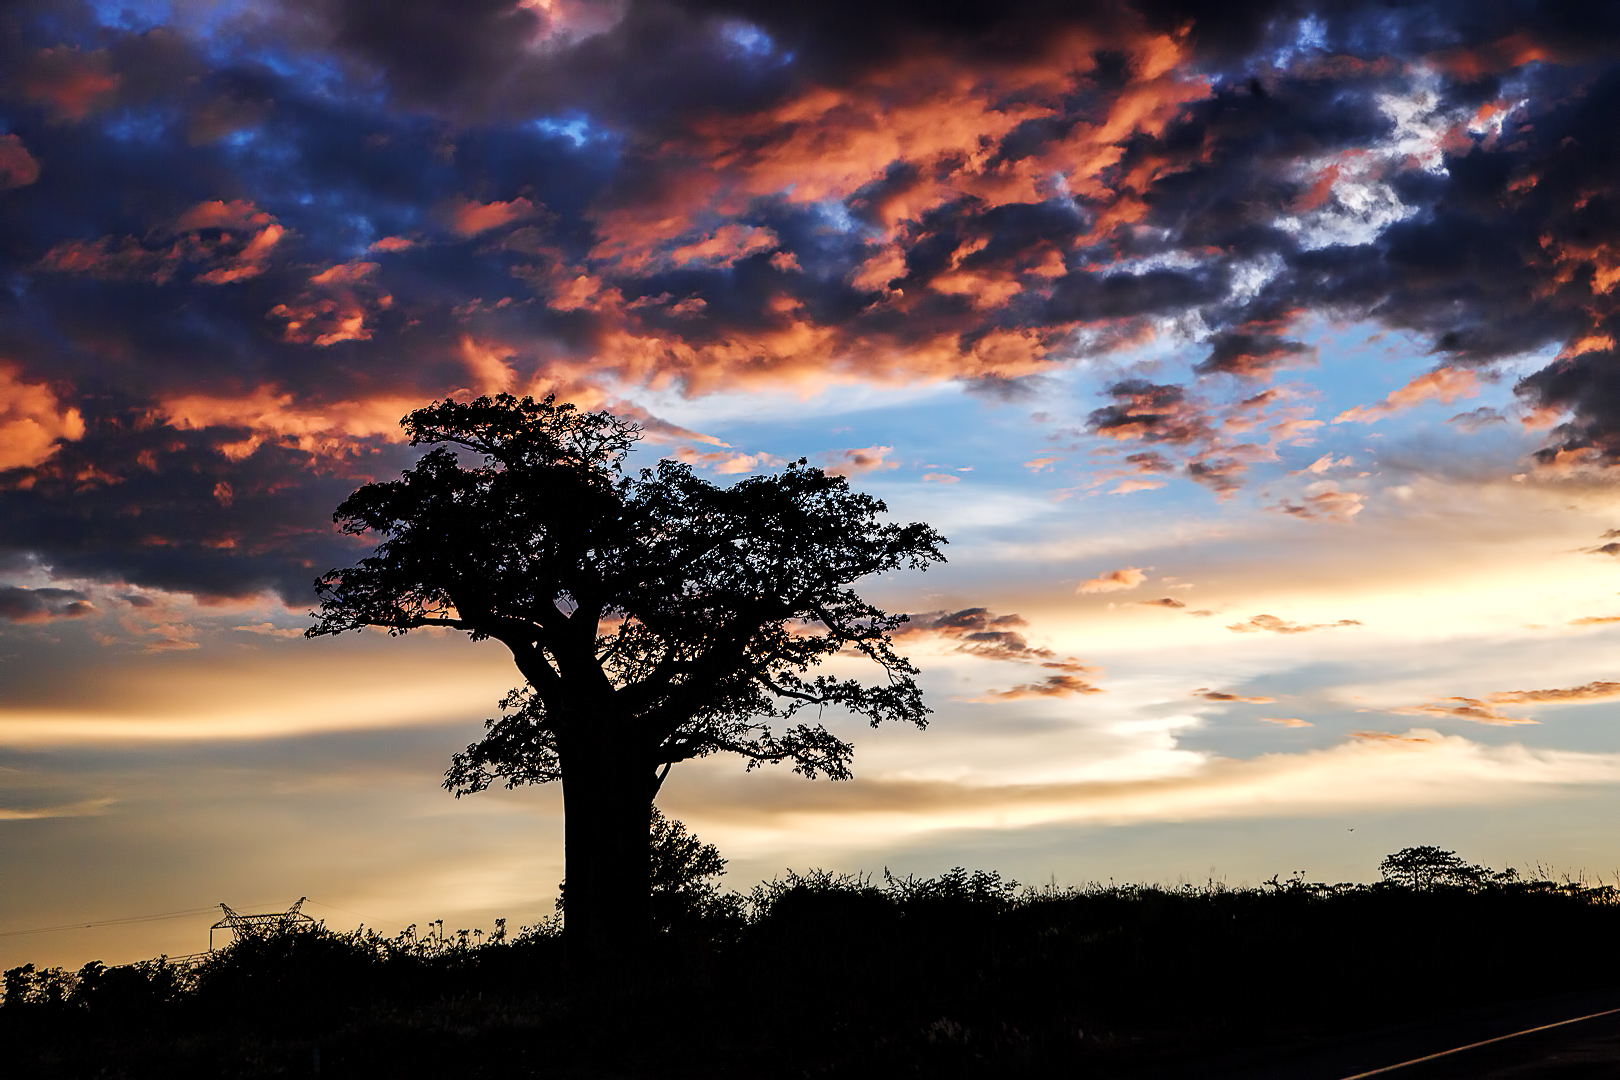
[1258,361]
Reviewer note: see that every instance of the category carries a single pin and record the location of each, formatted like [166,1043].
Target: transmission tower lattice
[258,926]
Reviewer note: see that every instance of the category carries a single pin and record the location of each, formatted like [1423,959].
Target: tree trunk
[607,917]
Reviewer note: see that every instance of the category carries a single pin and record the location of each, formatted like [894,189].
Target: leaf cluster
[682,616]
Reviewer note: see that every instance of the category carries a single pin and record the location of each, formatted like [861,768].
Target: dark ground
[961,976]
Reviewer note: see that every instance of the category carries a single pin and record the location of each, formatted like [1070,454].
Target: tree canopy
[655,617]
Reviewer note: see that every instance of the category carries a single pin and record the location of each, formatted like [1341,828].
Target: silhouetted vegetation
[655,618]
[964,974]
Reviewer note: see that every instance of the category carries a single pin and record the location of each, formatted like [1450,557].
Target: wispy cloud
[1271,624]
[1222,697]
[1128,577]
[84,808]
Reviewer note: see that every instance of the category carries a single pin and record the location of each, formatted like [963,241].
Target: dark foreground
[960,976]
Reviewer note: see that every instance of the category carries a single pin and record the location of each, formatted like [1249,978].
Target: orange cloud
[1286,721]
[468,218]
[1465,708]
[67,82]
[1164,602]
[1324,463]
[1325,501]
[1442,384]
[859,460]
[217,214]
[725,246]
[239,242]
[1221,697]
[894,145]
[17,166]
[1126,487]
[1485,710]
[112,259]
[1585,344]
[391,243]
[1592,691]
[334,306]
[318,427]
[33,420]
[1114,581]
[251,261]
[1273,625]
[725,462]
[1051,686]
[982,633]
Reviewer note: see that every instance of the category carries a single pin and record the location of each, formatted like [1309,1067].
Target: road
[1587,1048]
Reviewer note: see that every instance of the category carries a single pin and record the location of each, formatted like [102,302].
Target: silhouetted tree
[1426,867]
[655,617]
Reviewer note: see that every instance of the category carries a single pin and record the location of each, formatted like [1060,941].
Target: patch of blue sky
[314,74]
[944,433]
[747,38]
[200,20]
[577,128]
[136,18]
[238,139]
[786,409]
[1361,364]
[1309,37]
[138,125]
[273,165]
[836,216]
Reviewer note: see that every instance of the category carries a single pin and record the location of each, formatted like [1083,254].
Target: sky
[1256,358]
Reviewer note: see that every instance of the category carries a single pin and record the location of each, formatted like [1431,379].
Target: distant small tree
[655,618]
[1428,867]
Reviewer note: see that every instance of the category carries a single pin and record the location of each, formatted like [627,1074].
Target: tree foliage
[1428,867]
[686,613]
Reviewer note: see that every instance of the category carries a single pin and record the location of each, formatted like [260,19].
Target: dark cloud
[35,605]
[1150,412]
[1329,502]
[982,633]
[1477,419]
[430,49]
[239,248]
[1248,352]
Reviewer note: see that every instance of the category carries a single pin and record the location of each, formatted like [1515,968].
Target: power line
[186,914]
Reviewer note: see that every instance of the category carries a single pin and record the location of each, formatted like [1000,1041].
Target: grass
[834,975]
